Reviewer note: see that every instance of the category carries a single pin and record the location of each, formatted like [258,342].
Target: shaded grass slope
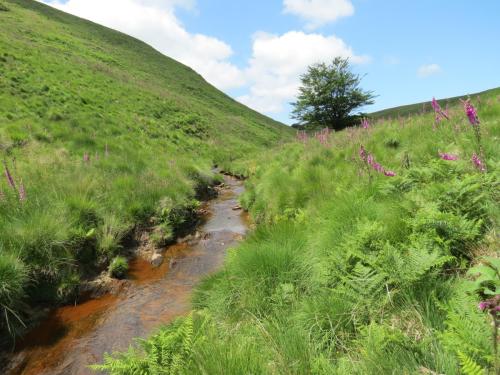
[99,134]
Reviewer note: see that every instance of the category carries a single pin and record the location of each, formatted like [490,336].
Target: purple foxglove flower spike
[370,160]
[362,153]
[438,110]
[482,305]
[478,163]
[446,156]
[435,105]
[471,112]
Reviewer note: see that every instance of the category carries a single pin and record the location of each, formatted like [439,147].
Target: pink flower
[482,305]
[370,160]
[445,156]
[365,123]
[362,153]
[435,105]
[377,167]
[438,110]
[302,136]
[86,157]
[478,163]
[471,112]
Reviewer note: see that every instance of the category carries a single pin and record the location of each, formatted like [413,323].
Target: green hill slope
[99,133]
[413,109]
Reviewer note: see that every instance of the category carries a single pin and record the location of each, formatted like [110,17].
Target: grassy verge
[352,271]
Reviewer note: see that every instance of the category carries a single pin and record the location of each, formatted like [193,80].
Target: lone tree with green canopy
[330,95]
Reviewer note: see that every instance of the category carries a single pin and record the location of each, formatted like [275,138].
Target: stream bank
[72,337]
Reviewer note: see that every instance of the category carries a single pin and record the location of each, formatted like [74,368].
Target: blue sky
[255,51]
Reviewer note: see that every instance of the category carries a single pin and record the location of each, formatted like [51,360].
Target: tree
[329,96]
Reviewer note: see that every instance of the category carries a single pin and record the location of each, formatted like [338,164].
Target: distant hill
[411,109]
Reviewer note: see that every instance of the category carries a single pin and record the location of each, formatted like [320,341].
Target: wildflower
[482,305]
[322,136]
[446,156]
[370,160]
[8,176]
[478,163]
[362,153]
[377,166]
[365,123]
[471,112]
[86,157]
[438,110]
[302,136]
[435,105]
[22,192]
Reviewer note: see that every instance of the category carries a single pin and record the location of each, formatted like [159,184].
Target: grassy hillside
[99,134]
[413,109]
[355,267]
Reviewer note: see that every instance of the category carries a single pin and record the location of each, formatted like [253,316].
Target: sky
[255,51]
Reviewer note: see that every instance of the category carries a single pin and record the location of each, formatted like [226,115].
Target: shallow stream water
[73,337]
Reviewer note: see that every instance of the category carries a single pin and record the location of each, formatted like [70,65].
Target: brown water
[73,337]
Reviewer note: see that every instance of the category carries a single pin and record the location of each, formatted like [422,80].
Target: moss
[118,267]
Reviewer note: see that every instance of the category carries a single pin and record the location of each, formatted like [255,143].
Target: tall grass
[355,272]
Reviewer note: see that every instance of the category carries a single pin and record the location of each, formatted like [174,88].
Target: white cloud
[155,22]
[278,61]
[319,12]
[272,75]
[428,70]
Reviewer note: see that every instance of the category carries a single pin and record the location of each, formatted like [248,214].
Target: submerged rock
[156,260]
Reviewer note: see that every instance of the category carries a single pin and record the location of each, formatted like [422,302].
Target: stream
[73,337]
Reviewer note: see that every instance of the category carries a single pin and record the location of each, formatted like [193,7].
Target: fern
[466,329]
[469,366]
[412,264]
[166,353]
